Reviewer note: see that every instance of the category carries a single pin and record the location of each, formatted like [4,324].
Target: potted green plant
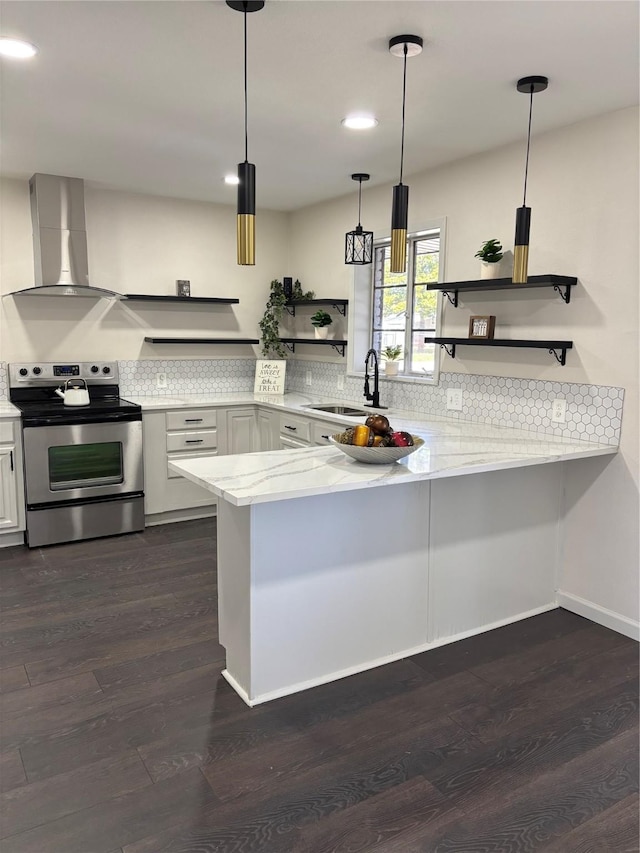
[321,322]
[272,347]
[391,356]
[490,254]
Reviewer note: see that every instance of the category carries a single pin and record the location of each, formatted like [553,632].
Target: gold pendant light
[246,228]
[405,47]
[529,86]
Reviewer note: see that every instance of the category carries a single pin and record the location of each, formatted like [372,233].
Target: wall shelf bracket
[450,349]
[560,354]
[339,348]
[564,291]
[290,346]
[452,296]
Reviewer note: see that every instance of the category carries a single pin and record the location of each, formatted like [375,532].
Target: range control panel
[56,373]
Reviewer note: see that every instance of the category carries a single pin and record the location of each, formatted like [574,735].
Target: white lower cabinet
[268,429]
[241,430]
[12,515]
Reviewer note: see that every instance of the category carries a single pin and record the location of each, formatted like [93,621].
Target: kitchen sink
[340,410]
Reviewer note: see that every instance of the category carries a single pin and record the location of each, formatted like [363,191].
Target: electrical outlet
[161,380]
[340,382]
[454,399]
[558,411]
[307,378]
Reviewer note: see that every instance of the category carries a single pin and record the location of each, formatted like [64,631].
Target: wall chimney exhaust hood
[60,239]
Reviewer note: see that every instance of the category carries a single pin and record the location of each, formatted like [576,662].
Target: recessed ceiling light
[17,49]
[231,179]
[359,122]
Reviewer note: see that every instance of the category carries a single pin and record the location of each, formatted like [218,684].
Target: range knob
[23,371]
[95,368]
[106,370]
[37,371]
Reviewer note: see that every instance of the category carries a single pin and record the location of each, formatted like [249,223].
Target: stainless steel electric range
[83,468]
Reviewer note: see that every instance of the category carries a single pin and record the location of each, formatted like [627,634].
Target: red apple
[402,439]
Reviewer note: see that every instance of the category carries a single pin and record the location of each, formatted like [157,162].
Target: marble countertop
[451,449]
[8,410]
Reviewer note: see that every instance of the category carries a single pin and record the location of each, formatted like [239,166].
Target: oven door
[85,460]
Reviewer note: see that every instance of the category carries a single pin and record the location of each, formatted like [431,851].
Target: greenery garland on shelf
[270,323]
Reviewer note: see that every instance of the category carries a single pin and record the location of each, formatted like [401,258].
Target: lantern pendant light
[246,233]
[529,86]
[404,46]
[358,247]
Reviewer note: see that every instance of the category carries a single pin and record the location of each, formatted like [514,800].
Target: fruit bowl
[377,455]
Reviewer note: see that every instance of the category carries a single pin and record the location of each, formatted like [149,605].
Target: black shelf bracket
[290,309]
[452,296]
[450,349]
[339,348]
[290,346]
[565,293]
[341,309]
[560,354]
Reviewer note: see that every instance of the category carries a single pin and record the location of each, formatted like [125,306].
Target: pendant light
[358,247]
[246,234]
[404,46]
[529,86]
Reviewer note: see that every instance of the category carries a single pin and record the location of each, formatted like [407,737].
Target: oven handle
[85,418]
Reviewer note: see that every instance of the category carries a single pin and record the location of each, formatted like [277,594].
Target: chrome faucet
[375,396]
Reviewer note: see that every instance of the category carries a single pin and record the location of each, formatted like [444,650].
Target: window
[403,311]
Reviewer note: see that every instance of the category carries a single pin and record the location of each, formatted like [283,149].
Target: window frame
[360,325]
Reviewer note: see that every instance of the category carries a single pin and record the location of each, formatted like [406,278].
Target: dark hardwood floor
[117,732]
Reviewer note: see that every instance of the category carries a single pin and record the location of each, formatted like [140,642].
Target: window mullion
[411,275]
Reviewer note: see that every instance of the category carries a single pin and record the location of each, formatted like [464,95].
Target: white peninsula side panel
[321,587]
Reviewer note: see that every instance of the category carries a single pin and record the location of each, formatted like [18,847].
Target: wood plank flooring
[118,734]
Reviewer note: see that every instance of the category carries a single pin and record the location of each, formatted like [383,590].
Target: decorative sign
[269,377]
[183,287]
[482,327]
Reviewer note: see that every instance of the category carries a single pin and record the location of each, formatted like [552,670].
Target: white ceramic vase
[489,270]
[322,332]
[391,368]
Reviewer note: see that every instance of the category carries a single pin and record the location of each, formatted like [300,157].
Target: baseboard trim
[600,615]
[179,515]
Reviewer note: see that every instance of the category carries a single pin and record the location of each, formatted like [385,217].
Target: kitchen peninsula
[327,567]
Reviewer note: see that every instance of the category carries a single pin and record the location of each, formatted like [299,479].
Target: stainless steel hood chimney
[60,239]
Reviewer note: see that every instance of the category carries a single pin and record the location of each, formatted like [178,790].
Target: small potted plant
[321,322]
[391,356]
[490,254]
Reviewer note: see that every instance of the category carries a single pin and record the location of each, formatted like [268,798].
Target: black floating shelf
[290,343]
[561,283]
[556,348]
[339,304]
[202,340]
[184,300]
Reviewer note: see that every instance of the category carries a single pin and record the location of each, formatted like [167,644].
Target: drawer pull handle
[193,420]
[194,440]
[325,436]
[293,429]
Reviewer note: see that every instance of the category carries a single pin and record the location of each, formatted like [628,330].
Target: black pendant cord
[404,93]
[246,133]
[359,201]
[526,166]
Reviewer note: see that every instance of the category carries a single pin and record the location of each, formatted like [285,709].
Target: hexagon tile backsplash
[594,412]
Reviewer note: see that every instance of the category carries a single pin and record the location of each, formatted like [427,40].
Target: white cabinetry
[12,518]
[268,424]
[296,431]
[241,430]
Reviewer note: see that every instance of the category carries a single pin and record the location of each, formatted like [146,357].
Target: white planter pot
[489,270]
[322,332]
[391,368]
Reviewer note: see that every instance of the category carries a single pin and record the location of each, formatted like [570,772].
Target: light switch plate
[340,383]
[559,411]
[161,380]
[307,378]
[454,399]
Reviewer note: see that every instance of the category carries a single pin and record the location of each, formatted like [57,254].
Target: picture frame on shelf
[183,287]
[482,327]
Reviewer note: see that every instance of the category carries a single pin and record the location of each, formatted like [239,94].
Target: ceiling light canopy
[528,86]
[17,49]
[246,234]
[358,247]
[403,46]
[359,122]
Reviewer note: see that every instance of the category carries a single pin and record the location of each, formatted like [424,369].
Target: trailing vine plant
[272,347]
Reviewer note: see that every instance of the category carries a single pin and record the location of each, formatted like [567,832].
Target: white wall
[138,244]
[583,190]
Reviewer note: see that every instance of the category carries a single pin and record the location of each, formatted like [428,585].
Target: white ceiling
[147,96]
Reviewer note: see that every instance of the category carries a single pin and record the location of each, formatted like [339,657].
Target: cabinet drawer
[193,440]
[192,419]
[6,432]
[175,457]
[294,427]
[320,432]
[287,443]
